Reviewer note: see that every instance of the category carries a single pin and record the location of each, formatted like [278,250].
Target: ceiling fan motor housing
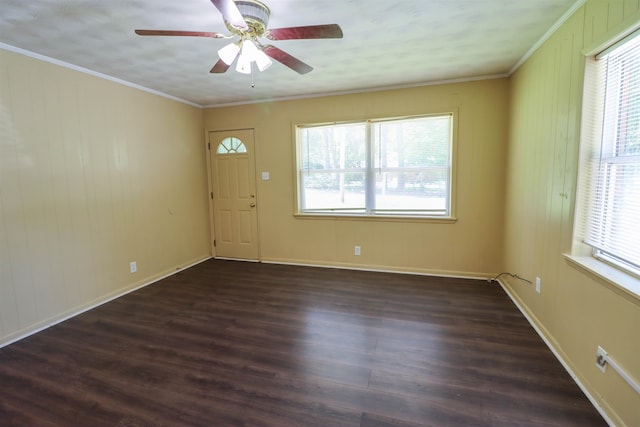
[255,14]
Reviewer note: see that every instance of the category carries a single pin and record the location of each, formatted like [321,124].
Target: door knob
[253,205]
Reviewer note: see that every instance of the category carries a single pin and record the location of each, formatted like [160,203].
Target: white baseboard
[380,269]
[540,330]
[75,311]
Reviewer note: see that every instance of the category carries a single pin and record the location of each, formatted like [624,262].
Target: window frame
[399,216]
[584,256]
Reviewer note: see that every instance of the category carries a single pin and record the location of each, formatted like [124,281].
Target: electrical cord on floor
[515,276]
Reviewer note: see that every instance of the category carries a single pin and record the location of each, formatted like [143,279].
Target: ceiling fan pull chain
[252,83]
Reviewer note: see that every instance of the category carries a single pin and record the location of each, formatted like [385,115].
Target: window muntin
[231,145]
[382,167]
[613,210]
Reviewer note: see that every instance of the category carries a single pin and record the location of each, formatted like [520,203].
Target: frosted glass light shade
[249,50]
[228,53]
[262,60]
[244,64]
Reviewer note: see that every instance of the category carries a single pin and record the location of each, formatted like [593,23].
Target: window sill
[379,218]
[616,279]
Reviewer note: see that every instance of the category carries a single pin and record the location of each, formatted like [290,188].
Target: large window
[377,167]
[612,217]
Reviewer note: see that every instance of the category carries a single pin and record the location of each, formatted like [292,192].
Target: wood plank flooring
[229,343]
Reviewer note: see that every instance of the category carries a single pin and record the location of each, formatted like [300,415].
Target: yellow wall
[575,311]
[93,175]
[470,246]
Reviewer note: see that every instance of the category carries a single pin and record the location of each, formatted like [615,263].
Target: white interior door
[234,194]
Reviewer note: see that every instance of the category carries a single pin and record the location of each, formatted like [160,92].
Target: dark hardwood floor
[241,344]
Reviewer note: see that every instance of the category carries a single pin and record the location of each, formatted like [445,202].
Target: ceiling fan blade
[286,59]
[179,33]
[230,13]
[220,67]
[329,31]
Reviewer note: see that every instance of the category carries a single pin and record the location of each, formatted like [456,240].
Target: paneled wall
[470,247]
[575,310]
[93,175]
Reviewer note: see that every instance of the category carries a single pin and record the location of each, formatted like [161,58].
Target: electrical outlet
[601,359]
[133,266]
[356,250]
[538,284]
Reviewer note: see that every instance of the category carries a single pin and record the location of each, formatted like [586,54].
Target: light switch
[265,176]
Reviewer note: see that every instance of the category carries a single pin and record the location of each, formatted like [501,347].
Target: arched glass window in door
[231,145]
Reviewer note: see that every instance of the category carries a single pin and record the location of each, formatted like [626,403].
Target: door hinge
[214,243]
[209,145]
[212,195]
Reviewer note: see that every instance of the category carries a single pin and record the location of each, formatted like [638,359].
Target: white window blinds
[613,218]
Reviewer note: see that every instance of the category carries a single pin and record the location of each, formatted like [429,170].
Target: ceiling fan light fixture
[228,53]
[247,52]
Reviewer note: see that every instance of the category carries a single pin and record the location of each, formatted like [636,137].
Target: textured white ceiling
[385,44]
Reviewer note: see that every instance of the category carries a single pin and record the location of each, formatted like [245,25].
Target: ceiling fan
[248,20]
